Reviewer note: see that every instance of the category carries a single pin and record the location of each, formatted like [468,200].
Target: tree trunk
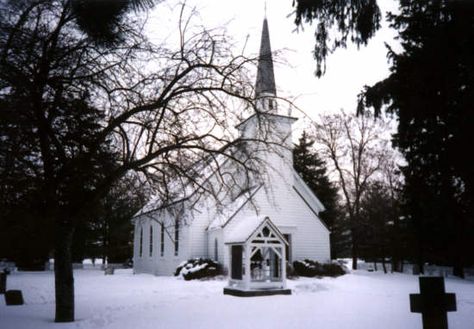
[105,243]
[421,265]
[63,274]
[396,264]
[355,250]
[384,265]
[458,270]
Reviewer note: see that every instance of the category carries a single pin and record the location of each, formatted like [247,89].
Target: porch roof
[244,230]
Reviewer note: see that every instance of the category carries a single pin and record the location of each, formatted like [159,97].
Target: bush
[290,271]
[198,268]
[311,268]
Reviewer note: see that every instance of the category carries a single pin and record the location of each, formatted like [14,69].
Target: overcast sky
[348,70]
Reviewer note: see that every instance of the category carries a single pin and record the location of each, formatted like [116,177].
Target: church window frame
[288,248]
[140,243]
[176,237]
[270,104]
[162,240]
[150,250]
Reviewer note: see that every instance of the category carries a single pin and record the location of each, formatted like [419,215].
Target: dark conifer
[314,173]
[431,92]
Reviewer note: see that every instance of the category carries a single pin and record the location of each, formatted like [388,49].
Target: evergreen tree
[336,23]
[103,20]
[108,234]
[431,91]
[314,173]
[383,233]
[434,124]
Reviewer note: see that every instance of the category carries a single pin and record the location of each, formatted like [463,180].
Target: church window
[216,251]
[176,237]
[288,247]
[151,241]
[162,241]
[140,245]
[270,104]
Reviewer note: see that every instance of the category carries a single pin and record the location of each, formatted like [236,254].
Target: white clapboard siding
[291,208]
[157,264]
[291,214]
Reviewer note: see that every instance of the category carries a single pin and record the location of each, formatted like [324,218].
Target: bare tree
[356,150]
[88,115]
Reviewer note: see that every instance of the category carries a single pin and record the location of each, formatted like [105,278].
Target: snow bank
[122,301]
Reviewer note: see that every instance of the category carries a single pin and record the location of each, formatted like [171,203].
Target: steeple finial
[265,77]
[265,9]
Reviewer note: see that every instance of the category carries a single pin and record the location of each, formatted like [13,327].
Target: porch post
[247,266]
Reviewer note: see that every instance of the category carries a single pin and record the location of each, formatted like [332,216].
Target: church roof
[223,217]
[267,115]
[307,194]
[301,189]
[265,76]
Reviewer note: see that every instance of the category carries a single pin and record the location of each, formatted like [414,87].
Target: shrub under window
[198,268]
[311,268]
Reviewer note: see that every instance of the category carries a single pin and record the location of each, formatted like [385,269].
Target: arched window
[140,244]
[176,237]
[216,250]
[162,241]
[151,241]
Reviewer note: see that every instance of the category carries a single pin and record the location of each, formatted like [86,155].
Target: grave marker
[433,303]
[14,297]
[3,282]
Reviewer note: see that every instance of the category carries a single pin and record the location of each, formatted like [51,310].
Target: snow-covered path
[358,300]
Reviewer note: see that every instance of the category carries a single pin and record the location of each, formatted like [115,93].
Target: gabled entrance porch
[257,259]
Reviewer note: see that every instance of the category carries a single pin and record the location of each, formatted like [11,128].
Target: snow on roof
[244,229]
[231,209]
[156,202]
[307,194]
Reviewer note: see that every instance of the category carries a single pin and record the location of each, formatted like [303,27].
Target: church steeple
[266,124]
[265,85]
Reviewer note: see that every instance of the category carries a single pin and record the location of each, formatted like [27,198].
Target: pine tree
[431,91]
[382,233]
[313,172]
[434,124]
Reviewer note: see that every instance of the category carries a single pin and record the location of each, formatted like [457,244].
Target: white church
[255,233]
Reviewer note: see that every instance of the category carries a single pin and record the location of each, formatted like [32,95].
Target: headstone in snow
[416,269]
[433,303]
[109,270]
[3,282]
[14,297]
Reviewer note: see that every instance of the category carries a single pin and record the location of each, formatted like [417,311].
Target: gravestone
[433,303]
[416,269]
[14,297]
[3,282]
[109,270]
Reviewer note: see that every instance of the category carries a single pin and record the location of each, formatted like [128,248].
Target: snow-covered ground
[358,300]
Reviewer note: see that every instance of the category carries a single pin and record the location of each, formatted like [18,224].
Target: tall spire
[265,77]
